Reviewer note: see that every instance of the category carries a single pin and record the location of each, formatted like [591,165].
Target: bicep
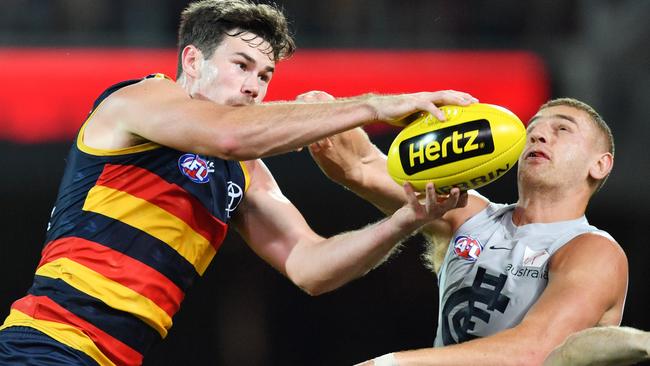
[269,223]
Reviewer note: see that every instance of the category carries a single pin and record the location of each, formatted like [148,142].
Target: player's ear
[601,167]
[192,59]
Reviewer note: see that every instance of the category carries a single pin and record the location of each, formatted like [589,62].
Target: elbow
[311,283]
[311,291]
[313,287]
[237,148]
[231,148]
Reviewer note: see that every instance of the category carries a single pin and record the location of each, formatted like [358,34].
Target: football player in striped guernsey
[160,170]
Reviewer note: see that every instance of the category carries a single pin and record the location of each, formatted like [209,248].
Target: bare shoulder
[110,125]
[144,97]
[151,88]
[591,247]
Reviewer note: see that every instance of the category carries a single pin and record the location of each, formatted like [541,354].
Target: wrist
[405,221]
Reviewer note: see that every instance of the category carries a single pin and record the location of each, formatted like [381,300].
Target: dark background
[243,312]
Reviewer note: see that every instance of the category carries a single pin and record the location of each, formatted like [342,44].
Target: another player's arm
[161,111]
[587,287]
[278,233]
[352,160]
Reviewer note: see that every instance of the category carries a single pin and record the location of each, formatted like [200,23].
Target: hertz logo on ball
[446,145]
[474,146]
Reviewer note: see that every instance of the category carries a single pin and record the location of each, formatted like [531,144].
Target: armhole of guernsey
[113,152]
[247,176]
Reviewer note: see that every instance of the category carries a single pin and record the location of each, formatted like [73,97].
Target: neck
[546,206]
[184,83]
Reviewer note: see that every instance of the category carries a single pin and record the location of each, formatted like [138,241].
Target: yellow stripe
[159,75]
[154,221]
[247,176]
[63,333]
[110,292]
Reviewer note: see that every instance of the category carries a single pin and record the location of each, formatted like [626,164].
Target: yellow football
[475,145]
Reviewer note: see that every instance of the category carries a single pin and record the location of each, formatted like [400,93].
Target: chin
[239,102]
[533,179]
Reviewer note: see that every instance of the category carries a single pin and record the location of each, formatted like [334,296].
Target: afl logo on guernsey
[195,168]
[467,248]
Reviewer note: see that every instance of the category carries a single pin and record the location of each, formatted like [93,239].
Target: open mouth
[537,155]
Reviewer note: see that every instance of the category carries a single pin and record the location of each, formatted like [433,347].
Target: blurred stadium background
[56,56]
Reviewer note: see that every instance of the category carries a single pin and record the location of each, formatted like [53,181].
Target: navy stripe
[20,346]
[118,324]
[136,244]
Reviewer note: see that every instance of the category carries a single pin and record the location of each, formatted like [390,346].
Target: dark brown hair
[205,23]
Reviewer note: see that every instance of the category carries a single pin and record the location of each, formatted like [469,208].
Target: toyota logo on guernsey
[195,168]
[235,195]
[467,248]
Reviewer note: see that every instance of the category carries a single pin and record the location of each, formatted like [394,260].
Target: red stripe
[170,197]
[118,267]
[43,308]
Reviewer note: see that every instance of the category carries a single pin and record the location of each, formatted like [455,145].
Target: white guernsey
[494,271]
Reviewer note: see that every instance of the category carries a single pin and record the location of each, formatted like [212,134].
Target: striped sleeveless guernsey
[130,232]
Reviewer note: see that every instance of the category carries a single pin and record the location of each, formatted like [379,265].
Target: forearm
[319,267]
[270,129]
[377,187]
[502,349]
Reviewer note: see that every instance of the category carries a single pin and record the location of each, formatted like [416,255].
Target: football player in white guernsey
[533,283]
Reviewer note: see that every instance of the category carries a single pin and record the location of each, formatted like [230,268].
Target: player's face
[562,146]
[239,71]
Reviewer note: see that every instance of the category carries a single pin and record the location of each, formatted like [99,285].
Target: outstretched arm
[161,111]
[352,160]
[278,233]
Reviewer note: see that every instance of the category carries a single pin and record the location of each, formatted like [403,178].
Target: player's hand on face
[428,206]
[395,109]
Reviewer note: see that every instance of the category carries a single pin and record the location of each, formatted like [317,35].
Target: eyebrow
[558,115]
[252,60]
